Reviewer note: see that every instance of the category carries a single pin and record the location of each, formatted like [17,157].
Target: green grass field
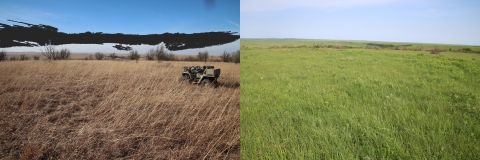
[304,103]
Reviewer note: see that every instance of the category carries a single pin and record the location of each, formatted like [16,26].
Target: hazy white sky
[142,49]
[426,21]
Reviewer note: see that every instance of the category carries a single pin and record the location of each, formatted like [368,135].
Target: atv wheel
[184,78]
[206,83]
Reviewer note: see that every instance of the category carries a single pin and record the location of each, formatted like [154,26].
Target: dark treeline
[381,45]
[17,35]
[435,50]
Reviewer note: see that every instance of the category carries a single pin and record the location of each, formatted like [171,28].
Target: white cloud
[275,5]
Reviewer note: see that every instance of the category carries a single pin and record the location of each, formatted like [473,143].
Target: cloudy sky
[128,17]
[426,21]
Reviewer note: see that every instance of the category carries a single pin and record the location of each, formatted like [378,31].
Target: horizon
[362,41]
[142,49]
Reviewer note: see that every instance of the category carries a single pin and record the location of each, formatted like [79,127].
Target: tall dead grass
[111,109]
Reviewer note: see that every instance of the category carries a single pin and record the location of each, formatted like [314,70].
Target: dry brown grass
[116,109]
[82,56]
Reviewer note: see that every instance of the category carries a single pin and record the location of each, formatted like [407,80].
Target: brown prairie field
[77,109]
[82,56]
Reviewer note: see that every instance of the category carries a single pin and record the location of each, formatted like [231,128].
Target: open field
[116,109]
[73,56]
[323,103]
[269,43]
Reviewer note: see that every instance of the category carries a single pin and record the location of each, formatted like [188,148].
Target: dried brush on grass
[337,46]
[113,56]
[420,48]
[111,109]
[435,50]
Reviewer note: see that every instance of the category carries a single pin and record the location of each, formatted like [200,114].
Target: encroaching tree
[203,56]
[3,55]
[134,55]
[150,54]
[64,54]
[236,56]
[466,49]
[112,56]
[226,57]
[160,52]
[170,57]
[53,54]
[23,57]
[99,56]
[35,57]
[49,51]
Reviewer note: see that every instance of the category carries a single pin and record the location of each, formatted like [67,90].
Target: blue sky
[424,21]
[129,17]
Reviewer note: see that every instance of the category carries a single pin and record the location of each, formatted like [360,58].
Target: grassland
[116,110]
[83,56]
[285,43]
[323,103]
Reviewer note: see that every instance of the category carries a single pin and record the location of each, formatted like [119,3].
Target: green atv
[205,76]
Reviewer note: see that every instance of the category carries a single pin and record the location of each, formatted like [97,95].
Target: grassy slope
[111,109]
[354,103]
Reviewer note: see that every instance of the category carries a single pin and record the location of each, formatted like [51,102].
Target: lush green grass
[358,104]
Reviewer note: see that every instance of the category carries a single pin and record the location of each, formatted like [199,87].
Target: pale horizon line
[476,45]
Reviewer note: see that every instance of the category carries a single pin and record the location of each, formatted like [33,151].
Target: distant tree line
[22,57]
[381,45]
[435,50]
[159,53]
